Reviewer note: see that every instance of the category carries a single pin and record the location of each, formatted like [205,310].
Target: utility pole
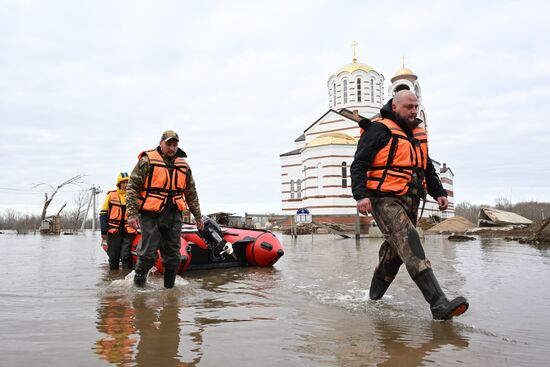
[94,191]
[86,214]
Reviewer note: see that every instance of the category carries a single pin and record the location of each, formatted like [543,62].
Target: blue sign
[302,211]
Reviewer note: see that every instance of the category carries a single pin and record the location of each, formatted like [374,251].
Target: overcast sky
[86,85]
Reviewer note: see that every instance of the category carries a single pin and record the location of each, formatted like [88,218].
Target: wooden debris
[460,238]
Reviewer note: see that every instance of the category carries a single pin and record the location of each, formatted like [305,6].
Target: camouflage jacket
[137,180]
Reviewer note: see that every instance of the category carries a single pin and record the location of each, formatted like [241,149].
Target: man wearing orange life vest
[114,226]
[160,188]
[391,172]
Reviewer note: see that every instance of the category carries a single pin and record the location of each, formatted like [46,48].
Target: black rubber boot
[378,287]
[127,264]
[113,265]
[442,308]
[140,279]
[169,278]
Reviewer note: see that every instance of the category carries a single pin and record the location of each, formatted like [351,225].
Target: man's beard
[408,123]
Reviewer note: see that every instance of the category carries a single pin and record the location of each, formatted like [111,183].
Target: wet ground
[60,305]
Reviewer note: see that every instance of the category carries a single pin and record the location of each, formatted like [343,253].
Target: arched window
[334,94]
[372,90]
[299,189]
[344,175]
[345,82]
[400,88]
[358,89]
[292,189]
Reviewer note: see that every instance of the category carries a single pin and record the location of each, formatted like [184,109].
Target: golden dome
[332,139]
[404,71]
[353,66]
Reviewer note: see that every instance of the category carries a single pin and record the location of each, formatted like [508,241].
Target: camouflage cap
[169,135]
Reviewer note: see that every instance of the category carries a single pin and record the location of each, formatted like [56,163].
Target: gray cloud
[85,88]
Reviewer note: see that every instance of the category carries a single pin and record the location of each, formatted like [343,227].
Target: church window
[292,189]
[299,189]
[401,87]
[372,90]
[344,175]
[358,89]
[345,91]
[334,94]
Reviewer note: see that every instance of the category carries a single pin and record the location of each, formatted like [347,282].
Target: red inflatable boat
[221,247]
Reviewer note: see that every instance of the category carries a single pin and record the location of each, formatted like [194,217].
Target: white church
[316,173]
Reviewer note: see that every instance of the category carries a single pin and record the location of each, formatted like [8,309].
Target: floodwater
[59,305]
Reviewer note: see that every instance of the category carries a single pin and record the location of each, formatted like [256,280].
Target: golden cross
[354,44]
[403,62]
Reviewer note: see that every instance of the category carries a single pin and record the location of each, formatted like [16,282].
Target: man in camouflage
[159,229]
[396,213]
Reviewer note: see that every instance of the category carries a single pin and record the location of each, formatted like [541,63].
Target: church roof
[292,152]
[332,139]
[404,73]
[353,66]
[343,112]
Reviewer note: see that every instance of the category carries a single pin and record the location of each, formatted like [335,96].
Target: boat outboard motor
[213,235]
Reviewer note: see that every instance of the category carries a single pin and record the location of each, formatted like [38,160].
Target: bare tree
[503,204]
[48,199]
[81,199]
[59,211]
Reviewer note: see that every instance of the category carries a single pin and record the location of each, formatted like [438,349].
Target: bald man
[391,172]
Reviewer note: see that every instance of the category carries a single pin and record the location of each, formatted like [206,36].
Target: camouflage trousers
[159,231]
[396,217]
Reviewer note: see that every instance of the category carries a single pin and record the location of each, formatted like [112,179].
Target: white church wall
[333,123]
[432,207]
[319,167]
[323,176]
[372,98]
[399,82]
[291,172]
[372,94]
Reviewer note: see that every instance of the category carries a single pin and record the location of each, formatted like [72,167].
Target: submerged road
[60,305]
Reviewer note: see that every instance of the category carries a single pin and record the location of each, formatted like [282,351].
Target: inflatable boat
[221,247]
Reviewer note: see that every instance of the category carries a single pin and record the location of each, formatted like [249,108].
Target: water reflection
[411,345]
[158,327]
[142,328]
[233,288]
[116,320]
[158,324]
[376,338]
[543,249]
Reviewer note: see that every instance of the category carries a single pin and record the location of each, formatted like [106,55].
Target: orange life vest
[393,166]
[117,214]
[165,181]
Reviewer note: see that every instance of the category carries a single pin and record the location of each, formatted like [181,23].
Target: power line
[35,191]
